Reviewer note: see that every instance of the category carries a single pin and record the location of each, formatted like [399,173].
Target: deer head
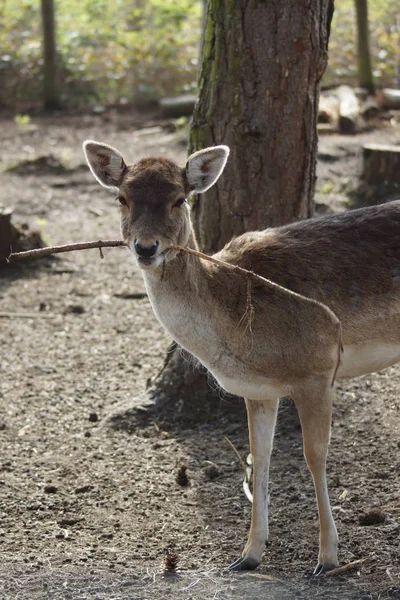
[153,196]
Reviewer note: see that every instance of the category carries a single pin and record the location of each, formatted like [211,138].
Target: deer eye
[180,202]
[122,201]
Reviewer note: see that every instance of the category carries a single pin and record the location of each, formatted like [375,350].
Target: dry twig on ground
[349,567]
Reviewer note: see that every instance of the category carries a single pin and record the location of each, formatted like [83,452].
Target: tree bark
[258,94]
[259,90]
[365,76]
[51,96]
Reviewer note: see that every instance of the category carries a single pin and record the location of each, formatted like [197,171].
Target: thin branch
[249,274]
[246,470]
[275,286]
[22,315]
[40,252]
[258,277]
[348,567]
[236,451]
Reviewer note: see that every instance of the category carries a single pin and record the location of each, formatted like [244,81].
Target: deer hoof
[244,564]
[322,568]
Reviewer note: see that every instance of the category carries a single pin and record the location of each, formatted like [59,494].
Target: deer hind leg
[314,405]
[261,420]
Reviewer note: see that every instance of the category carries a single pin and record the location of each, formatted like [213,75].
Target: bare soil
[90,506]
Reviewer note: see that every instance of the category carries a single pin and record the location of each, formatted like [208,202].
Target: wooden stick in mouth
[40,252]
[273,285]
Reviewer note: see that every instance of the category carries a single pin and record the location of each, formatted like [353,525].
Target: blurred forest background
[138,51]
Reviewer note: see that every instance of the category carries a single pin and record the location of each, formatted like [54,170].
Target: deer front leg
[261,420]
[315,411]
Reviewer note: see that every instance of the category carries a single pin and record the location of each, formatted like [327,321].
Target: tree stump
[8,233]
[381,164]
[388,98]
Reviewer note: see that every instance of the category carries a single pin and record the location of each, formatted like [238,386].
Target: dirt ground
[89,510]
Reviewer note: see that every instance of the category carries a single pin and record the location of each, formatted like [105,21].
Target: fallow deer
[315,275]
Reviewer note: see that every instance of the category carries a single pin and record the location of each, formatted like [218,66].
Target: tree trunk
[203,25]
[262,62]
[365,77]
[51,98]
[258,94]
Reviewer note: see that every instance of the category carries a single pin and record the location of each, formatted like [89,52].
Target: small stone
[66,522]
[372,517]
[294,498]
[84,489]
[76,309]
[93,417]
[87,434]
[50,489]
[211,472]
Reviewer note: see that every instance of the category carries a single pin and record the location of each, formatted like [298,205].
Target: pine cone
[182,477]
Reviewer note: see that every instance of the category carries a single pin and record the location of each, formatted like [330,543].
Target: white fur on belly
[257,389]
[367,359]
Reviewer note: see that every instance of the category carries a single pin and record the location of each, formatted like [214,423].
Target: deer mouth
[150,263]
[145,263]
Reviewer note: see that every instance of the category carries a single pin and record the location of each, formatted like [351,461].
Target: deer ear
[106,163]
[203,168]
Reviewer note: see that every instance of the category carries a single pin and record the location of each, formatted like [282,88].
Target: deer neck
[180,277]
[180,298]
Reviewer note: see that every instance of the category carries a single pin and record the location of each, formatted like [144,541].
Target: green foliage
[327,188]
[384,20]
[124,50]
[22,122]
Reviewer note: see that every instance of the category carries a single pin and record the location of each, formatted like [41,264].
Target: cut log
[361,93]
[326,129]
[328,110]
[388,98]
[181,106]
[369,108]
[8,233]
[349,110]
[381,164]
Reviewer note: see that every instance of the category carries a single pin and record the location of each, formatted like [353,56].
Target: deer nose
[146,251]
